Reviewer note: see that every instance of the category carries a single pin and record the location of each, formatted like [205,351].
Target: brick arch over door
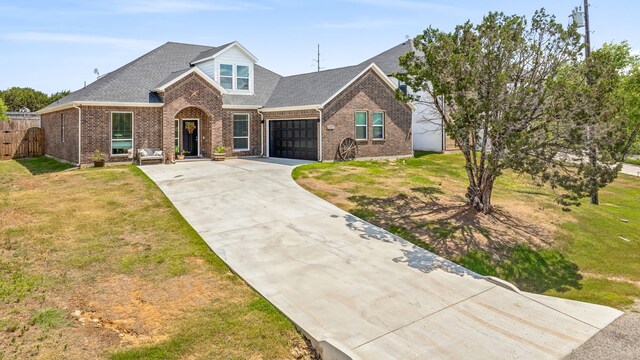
[191,95]
[204,130]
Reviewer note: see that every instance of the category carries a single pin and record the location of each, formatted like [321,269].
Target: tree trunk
[479,196]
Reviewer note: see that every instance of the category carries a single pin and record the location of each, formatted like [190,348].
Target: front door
[190,137]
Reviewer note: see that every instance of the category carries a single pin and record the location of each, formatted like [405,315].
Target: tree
[492,78]
[3,111]
[594,128]
[17,98]
[630,92]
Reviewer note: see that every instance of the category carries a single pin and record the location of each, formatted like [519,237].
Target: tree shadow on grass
[529,269]
[414,256]
[498,244]
[448,228]
[43,165]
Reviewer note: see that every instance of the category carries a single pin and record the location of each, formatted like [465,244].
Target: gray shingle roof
[387,61]
[265,81]
[312,88]
[134,81]
[210,52]
[173,75]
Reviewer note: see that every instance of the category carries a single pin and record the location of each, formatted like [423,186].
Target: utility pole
[581,19]
[587,33]
[317,60]
[593,151]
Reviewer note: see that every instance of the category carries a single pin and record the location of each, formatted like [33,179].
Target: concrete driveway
[629,169]
[356,290]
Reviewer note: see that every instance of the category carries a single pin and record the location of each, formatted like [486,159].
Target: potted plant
[219,153]
[98,158]
[181,154]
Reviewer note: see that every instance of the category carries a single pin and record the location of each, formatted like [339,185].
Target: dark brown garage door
[294,139]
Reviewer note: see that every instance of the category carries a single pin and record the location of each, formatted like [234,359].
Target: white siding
[428,132]
[426,124]
[233,56]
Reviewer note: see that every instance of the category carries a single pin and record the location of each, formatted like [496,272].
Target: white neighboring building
[427,130]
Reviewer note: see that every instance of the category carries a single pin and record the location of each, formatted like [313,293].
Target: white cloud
[359,24]
[32,36]
[182,6]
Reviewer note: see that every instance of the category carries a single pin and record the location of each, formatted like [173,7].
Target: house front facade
[191,99]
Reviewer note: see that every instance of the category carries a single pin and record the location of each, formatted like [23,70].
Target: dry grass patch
[99,262]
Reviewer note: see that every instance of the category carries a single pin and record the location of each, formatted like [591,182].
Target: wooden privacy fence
[17,142]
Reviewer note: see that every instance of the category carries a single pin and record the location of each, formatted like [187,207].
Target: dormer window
[226,76]
[234,77]
[242,80]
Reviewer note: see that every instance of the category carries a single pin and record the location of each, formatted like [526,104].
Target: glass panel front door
[190,137]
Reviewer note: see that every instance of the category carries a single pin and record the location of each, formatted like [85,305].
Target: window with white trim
[242,77]
[377,125]
[61,127]
[361,125]
[240,132]
[226,76]
[121,133]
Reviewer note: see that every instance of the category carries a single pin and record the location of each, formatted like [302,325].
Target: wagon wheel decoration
[348,149]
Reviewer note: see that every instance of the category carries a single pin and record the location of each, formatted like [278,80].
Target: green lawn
[98,263]
[589,253]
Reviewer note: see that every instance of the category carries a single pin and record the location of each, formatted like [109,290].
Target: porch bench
[150,154]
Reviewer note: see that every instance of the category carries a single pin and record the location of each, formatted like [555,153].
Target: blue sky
[55,45]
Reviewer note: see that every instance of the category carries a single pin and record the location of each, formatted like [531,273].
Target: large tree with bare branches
[492,78]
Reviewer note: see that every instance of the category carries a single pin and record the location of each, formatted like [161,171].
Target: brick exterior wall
[368,93]
[193,92]
[96,130]
[193,97]
[53,144]
[254,132]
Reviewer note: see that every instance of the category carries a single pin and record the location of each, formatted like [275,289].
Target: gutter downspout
[261,132]
[320,136]
[79,133]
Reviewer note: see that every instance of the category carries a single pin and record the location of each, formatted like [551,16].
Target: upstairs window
[361,125]
[234,77]
[242,79]
[121,133]
[377,125]
[226,76]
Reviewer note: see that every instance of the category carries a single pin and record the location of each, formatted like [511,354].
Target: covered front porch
[193,138]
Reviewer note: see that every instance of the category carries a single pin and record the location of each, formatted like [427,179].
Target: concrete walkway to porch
[356,290]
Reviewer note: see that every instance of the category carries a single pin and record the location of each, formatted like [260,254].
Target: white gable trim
[378,71]
[233,44]
[196,70]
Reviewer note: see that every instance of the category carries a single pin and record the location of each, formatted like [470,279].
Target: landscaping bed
[588,253]
[98,263]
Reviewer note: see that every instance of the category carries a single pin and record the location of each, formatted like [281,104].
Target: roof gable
[179,75]
[215,52]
